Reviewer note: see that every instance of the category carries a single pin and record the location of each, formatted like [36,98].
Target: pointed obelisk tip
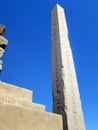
[57,6]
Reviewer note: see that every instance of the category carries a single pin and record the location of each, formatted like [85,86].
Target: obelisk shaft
[66,98]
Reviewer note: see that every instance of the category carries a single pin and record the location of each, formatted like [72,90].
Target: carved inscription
[12,100]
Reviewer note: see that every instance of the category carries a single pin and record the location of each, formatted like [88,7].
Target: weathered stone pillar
[3,43]
[66,98]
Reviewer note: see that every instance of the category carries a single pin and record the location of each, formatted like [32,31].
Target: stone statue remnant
[2,29]
[3,43]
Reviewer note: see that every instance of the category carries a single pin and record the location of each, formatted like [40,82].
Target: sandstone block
[15,92]
[18,118]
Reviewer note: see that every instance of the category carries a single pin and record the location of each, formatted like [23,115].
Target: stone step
[19,118]
[19,102]
[38,107]
[16,92]
[18,96]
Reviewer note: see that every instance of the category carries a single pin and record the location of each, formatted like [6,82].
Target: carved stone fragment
[3,42]
[1,52]
[2,29]
[0,65]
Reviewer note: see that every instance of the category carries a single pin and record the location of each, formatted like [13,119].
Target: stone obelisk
[66,98]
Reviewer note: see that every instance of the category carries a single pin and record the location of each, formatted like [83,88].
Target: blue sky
[27,60]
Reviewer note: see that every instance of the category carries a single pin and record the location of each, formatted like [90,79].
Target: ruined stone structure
[66,98]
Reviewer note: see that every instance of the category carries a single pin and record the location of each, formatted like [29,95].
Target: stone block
[18,118]
[14,92]
[19,102]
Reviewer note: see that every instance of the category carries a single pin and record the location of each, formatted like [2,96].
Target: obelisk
[66,98]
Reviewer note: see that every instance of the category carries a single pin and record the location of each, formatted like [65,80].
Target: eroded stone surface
[2,29]
[1,52]
[0,65]
[3,42]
